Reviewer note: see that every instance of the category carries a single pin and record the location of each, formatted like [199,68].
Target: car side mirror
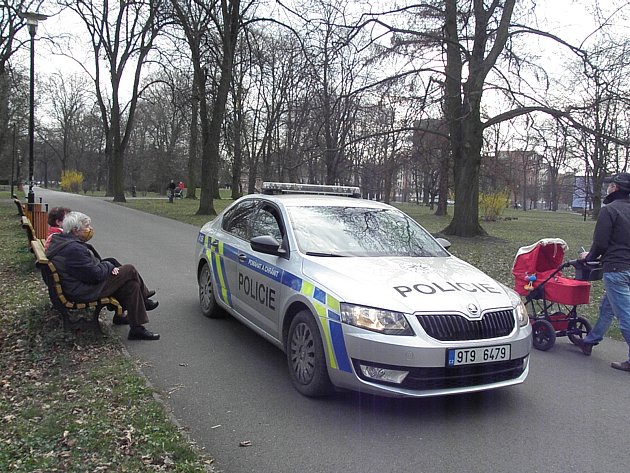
[268,245]
[444,242]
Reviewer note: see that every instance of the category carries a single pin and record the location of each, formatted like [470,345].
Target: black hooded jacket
[611,238]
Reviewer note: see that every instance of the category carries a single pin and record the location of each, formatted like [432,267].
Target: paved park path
[226,385]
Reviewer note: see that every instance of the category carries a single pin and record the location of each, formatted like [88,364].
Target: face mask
[87,234]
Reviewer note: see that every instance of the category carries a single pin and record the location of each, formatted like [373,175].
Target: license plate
[473,356]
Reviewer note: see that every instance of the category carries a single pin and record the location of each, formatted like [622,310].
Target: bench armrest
[38,251]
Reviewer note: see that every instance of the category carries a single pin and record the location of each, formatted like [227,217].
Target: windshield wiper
[328,255]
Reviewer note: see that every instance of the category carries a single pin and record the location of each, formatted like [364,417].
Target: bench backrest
[28,228]
[53,282]
[20,206]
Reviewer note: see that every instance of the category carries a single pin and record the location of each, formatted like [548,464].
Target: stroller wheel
[543,335]
[578,329]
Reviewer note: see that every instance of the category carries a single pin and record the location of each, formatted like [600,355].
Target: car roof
[310,200]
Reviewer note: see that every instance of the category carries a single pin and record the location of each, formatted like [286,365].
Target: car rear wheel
[207,300]
[543,335]
[306,358]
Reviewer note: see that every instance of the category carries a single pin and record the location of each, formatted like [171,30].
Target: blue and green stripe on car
[326,306]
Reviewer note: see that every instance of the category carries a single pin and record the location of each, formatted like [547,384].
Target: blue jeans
[614,303]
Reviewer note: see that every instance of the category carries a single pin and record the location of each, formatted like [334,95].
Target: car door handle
[215,244]
[242,257]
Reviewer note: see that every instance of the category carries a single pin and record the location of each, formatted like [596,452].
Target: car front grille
[456,327]
[426,379]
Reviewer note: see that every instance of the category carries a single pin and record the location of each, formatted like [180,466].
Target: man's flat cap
[622,180]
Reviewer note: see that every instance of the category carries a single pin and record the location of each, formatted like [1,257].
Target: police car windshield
[360,231]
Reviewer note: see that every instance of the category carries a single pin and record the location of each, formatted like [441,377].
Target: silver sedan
[359,296]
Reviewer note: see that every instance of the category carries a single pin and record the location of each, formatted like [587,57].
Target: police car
[359,296]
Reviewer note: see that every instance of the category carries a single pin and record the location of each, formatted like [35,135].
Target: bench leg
[82,320]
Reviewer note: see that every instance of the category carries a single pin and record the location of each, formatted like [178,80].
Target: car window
[360,231]
[236,220]
[267,222]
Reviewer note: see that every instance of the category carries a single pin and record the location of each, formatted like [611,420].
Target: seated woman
[85,276]
[55,218]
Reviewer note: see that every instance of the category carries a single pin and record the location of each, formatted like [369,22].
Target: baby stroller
[551,298]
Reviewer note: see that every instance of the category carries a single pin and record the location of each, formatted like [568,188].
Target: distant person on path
[611,246]
[171,190]
[86,277]
[55,219]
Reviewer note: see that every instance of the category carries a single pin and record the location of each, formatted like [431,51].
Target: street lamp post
[31,20]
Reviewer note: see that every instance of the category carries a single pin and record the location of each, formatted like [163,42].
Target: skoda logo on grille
[473,310]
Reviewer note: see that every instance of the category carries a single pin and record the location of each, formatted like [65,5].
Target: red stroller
[552,299]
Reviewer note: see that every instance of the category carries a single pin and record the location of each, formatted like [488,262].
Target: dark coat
[80,268]
[611,244]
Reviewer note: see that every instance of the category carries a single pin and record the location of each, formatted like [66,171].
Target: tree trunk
[442,207]
[193,143]
[210,165]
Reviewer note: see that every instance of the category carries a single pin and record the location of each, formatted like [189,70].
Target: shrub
[492,205]
[71,181]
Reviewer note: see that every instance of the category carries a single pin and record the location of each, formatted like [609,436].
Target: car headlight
[519,307]
[521,314]
[377,320]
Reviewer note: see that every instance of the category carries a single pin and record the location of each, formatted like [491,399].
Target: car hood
[405,284]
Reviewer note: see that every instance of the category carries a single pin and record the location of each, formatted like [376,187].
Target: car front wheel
[207,300]
[306,358]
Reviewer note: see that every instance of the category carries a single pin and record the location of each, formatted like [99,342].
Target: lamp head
[32,19]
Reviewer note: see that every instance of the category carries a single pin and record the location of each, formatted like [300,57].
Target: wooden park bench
[75,315]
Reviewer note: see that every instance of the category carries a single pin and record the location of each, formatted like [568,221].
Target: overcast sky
[566,18]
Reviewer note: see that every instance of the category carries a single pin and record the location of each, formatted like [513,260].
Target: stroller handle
[575,262]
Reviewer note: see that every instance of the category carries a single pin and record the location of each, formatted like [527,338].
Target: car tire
[543,335]
[306,358]
[578,329]
[207,300]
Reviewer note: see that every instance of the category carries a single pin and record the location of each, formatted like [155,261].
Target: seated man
[85,276]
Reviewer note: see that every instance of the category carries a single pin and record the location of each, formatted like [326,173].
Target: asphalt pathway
[227,386]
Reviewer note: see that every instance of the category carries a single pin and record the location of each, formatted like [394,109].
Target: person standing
[171,190]
[611,246]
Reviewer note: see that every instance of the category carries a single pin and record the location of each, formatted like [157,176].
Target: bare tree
[67,97]
[122,35]
[226,17]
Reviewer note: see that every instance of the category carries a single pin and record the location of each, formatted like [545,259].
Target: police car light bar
[270,188]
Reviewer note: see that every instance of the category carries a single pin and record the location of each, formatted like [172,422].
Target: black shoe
[586,347]
[120,320]
[623,365]
[141,333]
[150,294]
[150,304]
